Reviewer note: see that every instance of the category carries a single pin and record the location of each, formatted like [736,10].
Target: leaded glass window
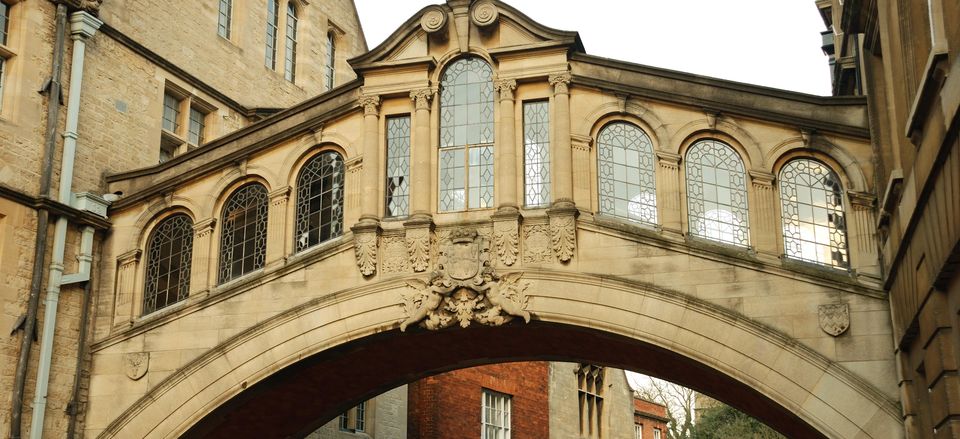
[466,135]
[398,166]
[169,254]
[290,63]
[223,18]
[814,224]
[243,232]
[627,182]
[495,415]
[331,60]
[273,13]
[536,153]
[717,193]
[319,200]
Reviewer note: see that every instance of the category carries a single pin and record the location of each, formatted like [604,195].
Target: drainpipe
[82,26]
[40,241]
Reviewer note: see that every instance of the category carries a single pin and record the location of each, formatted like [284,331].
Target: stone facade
[902,56]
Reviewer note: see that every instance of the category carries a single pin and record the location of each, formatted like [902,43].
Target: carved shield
[135,364]
[463,260]
[834,318]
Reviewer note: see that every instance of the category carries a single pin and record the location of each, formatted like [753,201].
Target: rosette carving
[484,13]
[433,19]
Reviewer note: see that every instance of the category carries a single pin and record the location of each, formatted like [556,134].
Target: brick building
[649,419]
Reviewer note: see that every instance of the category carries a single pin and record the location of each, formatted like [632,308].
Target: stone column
[366,230]
[200,264]
[507,147]
[563,213]
[562,154]
[420,170]
[123,307]
[581,170]
[764,224]
[668,193]
[862,234]
[277,241]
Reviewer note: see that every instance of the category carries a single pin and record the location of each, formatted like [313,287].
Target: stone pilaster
[561,151]
[668,192]
[581,169]
[420,170]
[352,190]
[123,306]
[862,234]
[507,147]
[370,181]
[764,223]
[277,241]
[200,264]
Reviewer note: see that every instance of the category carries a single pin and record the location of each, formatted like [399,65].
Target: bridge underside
[307,394]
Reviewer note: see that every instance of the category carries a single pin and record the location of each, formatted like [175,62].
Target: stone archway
[620,323]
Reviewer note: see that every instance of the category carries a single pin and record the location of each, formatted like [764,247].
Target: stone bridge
[485,192]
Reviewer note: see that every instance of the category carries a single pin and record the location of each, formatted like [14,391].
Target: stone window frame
[291,30]
[591,380]
[6,50]
[397,171]
[651,171]
[272,34]
[298,190]
[745,188]
[501,425]
[186,256]
[354,420]
[330,63]
[225,18]
[182,139]
[261,218]
[545,195]
[843,209]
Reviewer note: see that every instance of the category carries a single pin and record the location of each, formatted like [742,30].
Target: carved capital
[370,104]
[560,82]
[505,88]
[130,257]
[354,165]
[862,200]
[668,160]
[279,196]
[761,180]
[422,97]
[204,228]
[581,143]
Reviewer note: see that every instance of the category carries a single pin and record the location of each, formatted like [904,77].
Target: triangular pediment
[459,26]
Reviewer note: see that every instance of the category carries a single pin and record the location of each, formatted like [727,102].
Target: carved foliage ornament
[506,235]
[366,251]
[465,288]
[834,318]
[418,248]
[135,364]
[370,104]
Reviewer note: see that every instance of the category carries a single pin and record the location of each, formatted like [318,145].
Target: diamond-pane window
[169,253]
[466,135]
[814,223]
[625,165]
[319,200]
[398,166]
[536,153]
[717,193]
[243,234]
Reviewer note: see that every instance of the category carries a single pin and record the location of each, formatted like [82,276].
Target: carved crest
[465,288]
[135,364]
[834,318]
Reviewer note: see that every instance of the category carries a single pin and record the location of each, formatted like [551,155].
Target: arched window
[243,232]
[319,200]
[290,65]
[331,60]
[273,15]
[625,162]
[466,135]
[169,253]
[717,193]
[814,225]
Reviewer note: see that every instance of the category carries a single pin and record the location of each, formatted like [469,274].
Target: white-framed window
[223,18]
[495,415]
[355,419]
[656,433]
[637,431]
[290,60]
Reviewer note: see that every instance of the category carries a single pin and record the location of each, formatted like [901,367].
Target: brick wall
[449,405]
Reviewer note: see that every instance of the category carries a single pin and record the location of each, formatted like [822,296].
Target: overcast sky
[775,43]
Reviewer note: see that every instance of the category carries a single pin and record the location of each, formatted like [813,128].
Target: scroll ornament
[465,289]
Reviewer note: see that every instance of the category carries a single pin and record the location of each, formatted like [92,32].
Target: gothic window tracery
[466,135]
[319,200]
[814,223]
[243,237]
[717,193]
[169,254]
[590,384]
[625,164]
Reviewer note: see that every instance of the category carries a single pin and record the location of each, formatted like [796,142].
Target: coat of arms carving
[834,318]
[135,364]
[465,288]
